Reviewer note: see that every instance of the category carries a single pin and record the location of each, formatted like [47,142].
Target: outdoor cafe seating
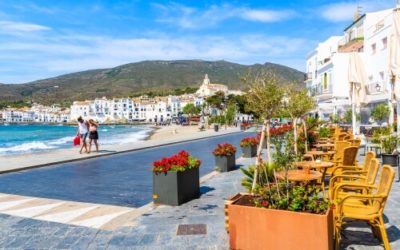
[353,188]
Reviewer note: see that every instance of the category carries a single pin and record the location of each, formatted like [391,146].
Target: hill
[151,77]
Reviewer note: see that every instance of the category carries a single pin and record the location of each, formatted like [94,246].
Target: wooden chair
[339,148]
[364,177]
[340,137]
[365,207]
[367,160]
[355,142]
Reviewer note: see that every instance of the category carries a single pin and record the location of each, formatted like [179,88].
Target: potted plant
[249,147]
[380,113]
[389,150]
[225,157]
[176,179]
[272,220]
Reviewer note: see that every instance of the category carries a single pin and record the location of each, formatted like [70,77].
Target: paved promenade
[157,227]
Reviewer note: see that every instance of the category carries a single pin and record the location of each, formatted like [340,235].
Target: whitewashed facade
[327,65]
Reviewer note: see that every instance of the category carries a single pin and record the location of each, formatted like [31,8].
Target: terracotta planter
[225,163]
[175,188]
[249,151]
[259,228]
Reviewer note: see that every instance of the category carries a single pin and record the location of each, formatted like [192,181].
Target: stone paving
[157,228]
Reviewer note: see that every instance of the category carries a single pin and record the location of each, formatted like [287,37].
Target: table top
[324,145]
[321,152]
[299,175]
[313,164]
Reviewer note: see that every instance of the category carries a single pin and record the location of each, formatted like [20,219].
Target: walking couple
[86,128]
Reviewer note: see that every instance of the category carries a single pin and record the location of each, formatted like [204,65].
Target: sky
[46,38]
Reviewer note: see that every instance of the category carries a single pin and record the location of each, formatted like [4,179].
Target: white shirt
[82,128]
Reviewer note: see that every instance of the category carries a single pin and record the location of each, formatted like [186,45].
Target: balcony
[319,91]
[355,44]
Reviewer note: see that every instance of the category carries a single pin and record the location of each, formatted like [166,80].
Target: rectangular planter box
[176,188]
[249,151]
[225,163]
[259,228]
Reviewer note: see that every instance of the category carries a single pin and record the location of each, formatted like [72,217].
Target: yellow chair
[347,157]
[365,207]
[367,160]
[355,142]
[339,148]
[340,137]
[364,177]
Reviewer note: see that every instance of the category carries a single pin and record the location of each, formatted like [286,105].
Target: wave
[64,140]
[125,138]
[26,147]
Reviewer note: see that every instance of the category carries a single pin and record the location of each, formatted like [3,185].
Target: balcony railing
[353,45]
[319,90]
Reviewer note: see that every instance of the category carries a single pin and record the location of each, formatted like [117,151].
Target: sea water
[20,139]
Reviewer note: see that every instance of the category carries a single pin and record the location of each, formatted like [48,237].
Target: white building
[327,65]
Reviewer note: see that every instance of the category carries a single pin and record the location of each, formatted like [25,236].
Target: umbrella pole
[353,110]
[398,117]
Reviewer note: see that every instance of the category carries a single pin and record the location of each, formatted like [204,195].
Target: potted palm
[176,179]
[389,150]
[249,147]
[225,157]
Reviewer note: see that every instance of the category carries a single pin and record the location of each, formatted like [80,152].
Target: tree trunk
[258,157]
[268,144]
[305,135]
[295,134]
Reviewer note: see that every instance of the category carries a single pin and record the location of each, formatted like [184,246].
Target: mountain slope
[138,78]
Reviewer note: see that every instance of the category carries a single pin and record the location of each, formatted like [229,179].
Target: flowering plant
[177,163]
[249,141]
[225,149]
[277,131]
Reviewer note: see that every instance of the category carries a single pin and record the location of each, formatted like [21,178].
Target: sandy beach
[159,136]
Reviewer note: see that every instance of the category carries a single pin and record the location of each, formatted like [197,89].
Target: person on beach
[83,129]
[93,134]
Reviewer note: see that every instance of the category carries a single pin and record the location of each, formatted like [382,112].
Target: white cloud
[58,55]
[188,17]
[267,15]
[344,11]
[17,27]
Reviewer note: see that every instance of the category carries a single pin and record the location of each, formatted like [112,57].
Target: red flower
[178,162]
[225,149]
[249,141]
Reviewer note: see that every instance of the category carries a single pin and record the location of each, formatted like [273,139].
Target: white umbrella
[357,80]
[394,60]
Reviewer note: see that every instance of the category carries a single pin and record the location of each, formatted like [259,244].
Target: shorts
[83,137]
[94,135]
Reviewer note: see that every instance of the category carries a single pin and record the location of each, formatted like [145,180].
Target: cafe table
[297,175]
[321,154]
[319,165]
[326,145]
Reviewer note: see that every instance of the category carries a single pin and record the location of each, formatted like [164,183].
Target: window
[384,43]
[373,48]
[325,81]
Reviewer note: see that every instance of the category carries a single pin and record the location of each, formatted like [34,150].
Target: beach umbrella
[394,61]
[357,80]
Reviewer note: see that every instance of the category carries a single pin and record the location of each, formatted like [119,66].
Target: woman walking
[93,134]
[82,132]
